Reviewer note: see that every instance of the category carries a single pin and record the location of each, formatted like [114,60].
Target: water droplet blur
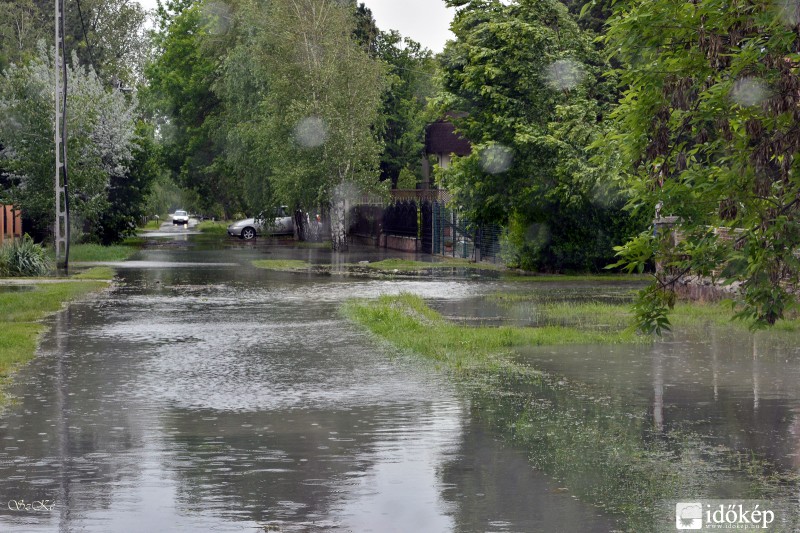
[789,11]
[311,132]
[496,159]
[749,92]
[565,74]
[538,234]
[216,17]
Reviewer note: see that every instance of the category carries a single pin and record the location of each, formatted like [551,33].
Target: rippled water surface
[202,394]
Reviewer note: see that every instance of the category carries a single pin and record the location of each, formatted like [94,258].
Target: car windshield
[180,213]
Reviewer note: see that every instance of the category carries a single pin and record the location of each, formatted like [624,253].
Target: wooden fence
[10,223]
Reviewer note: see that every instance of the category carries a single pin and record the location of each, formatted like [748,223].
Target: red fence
[10,223]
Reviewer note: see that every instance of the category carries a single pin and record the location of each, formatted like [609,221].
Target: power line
[85,36]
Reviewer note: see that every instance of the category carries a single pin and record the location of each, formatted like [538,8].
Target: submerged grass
[603,450]
[555,278]
[101,272]
[289,265]
[20,312]
[411,266]
[322,245]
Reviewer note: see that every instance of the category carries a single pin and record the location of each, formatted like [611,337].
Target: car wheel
[248,234]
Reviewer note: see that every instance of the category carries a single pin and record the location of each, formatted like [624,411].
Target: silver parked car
[281,224]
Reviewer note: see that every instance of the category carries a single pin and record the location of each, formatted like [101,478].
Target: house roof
[441,138]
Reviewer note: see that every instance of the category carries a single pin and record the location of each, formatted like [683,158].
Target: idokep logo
[689,515]
[711,515]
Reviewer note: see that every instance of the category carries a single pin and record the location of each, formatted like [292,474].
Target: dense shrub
[23,257]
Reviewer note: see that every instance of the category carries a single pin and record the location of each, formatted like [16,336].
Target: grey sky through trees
[425,21]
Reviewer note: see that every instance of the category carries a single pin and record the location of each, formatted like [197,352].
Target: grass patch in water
[602,449]
[20,312]
[218,227]
[407,322]
[281,264]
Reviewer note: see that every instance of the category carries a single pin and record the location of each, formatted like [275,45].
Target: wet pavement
[220,397]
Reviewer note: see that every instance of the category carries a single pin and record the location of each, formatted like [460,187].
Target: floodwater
[220,397]
[735,389]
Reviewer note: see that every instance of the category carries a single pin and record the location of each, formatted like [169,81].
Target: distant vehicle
[180,217]
[247,229]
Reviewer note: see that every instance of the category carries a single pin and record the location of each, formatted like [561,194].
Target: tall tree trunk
[338,230]
[338,218]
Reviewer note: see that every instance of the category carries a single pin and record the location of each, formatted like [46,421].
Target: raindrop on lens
[564,74]
[311,132]
[216,17]
[789,12]
[749,92]
[496,159]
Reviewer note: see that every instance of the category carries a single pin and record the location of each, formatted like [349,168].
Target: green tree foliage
[532,91]
[708,130]
[128,192]
[22,24]
[411,73]
[110,36]
[185,107]
[100,146]
[305,97]
[411,83]
[591,14]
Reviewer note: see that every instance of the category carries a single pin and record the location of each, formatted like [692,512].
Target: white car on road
[180,217]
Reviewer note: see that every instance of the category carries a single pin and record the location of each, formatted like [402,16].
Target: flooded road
[202,394]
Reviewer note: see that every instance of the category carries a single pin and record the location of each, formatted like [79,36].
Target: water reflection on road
[224,398]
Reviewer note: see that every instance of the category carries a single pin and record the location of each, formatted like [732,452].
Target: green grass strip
[20,311]
[81,253]
[43,299]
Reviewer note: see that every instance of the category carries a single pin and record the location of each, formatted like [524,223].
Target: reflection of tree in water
[491,485]
[611,452]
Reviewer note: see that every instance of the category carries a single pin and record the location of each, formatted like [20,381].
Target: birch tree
[319,101]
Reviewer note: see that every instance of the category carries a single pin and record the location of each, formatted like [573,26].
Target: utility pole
[62,199]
